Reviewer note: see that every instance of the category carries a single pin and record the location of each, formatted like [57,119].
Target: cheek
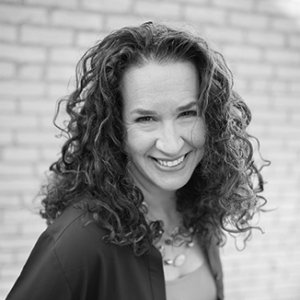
[137,142]
[198,134]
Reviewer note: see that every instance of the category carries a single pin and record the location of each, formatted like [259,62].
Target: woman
[156,168]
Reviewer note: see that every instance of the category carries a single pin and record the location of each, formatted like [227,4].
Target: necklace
[173,245]
[179,238]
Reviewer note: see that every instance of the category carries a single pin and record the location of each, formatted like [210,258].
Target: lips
[170,163]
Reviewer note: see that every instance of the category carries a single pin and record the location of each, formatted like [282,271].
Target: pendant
[179,260]
[168,262]
[190,244]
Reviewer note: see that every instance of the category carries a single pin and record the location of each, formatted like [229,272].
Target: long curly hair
[223,192]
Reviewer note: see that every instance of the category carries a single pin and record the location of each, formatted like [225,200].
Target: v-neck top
[197,285]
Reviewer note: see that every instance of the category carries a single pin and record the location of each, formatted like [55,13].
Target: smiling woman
[165,133]
[157,166]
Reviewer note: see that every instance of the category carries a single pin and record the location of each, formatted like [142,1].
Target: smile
[171,163]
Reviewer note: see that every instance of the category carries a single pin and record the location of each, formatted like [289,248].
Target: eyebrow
[145,112]
[187,106]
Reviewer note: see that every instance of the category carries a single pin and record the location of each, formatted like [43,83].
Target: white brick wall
[40,43]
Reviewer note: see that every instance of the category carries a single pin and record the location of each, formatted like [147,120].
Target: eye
[189,113]
[144,119]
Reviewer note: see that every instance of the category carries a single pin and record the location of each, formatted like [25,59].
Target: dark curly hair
[223,192]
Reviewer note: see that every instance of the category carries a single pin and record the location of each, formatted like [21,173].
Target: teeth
[171,163]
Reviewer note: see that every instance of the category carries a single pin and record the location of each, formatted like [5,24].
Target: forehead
[157,83]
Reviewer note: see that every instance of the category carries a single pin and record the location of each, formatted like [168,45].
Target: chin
[173,185]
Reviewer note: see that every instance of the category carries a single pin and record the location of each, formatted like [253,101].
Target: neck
[161,203]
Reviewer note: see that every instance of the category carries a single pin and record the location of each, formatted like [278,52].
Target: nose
[169,140]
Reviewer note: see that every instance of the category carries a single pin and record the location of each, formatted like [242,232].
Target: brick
[15,242]
[255,70]
[287,73]
[261,85]
[207,15]
[290,7]
[248,20]
[286,25]
[50,154]
[281,103]
[286,132]
[257,100]
[79,20]
[36,105]
[225,34]
[104,6]
[47,121]
[35,138]
[19,88]
[279,88]
[60,73]
[242,52]
[9,202]
[7,70]
[33,202]
[58,90]
[11,169]
[19,14]
[295,118]
[235,5]
[193,1]
[158,9]
[20,154]
[87,39]
[35,227]
[266,38]
[118,21]
[46,36]
[23,214]
[30,71]
[294,87]
[66,55]
[17,186]
[270,116]
[240,85]
[18,121]
[54,3]
[268,7]
[6,258]
[285,56]
[18,53]
[6,138]
[15,1]
[8,33]
[294,40]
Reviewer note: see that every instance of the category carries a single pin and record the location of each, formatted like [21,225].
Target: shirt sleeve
[42,276]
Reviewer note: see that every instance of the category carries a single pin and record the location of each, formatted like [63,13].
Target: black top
[70,261]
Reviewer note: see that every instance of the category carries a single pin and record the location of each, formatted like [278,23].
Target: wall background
[40,43]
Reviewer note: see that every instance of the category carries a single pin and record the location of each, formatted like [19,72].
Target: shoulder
[77,247]
[75,234]
[71,224]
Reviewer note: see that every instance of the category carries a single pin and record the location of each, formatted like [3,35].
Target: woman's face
[165,132]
